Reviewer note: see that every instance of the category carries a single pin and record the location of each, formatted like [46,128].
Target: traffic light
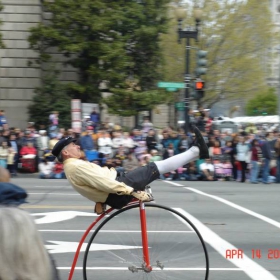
[199,88]
[201,63]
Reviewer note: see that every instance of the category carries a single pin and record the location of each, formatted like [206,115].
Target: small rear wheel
[176,248]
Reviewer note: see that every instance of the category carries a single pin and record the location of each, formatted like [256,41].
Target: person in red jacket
[28,151]
[58,171]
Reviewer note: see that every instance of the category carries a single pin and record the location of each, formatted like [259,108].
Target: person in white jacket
[117,140]
[242,150]
[104,144]
[128,142]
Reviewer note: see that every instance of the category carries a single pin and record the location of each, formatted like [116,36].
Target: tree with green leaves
[108,41]
[52,96]
[236,35]
[263,104]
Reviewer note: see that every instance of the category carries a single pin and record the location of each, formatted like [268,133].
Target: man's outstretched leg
[142,176]
[198,150]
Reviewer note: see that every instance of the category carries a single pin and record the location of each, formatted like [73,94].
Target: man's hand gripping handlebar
[142,196]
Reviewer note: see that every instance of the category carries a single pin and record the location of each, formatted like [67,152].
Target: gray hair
[22,252]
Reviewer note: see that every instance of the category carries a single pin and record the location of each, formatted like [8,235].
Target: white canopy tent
[257,119]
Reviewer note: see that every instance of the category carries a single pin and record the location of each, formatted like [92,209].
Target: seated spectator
[216,149]
[169,151]
[61,133]
[181,173]
[58,171]
[117,140]
[227,166]
[23,256]
[155,156]
[192,173]
[219,170]
[131,162]
[118,165]
[42,143]
[11,163]
[140,149]
[86,141]
[151,141]
[128,142]
[227,149]
[207,170]
[184,143]
[137,136]
[105,143]
[169,176]
[28,151]
[145,160]
[4,151]
[28,138]
[53,140]
[109,163]
[175,140]
[14,145]
[120,154]
[46,169]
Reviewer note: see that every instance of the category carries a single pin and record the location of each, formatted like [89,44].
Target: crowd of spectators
[251,154]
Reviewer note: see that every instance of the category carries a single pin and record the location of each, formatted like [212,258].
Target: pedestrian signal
[199,85]
[199,89]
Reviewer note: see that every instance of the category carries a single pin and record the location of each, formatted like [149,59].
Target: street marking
[172,183]
[243,209]
[54,217]
[81,207]
[69,247]
[52,186]
[154,268]
[54,193]
[117,231]
[251,268]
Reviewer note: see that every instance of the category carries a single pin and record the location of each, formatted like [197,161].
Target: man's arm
[99,178]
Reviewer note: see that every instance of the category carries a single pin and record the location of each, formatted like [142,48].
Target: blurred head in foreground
[4,175]
[22,252]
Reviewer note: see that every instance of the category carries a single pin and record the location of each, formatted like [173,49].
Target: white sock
[177,161]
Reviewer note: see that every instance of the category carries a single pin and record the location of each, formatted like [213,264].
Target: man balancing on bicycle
[105,186]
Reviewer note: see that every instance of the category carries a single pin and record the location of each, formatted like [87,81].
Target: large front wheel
[176,249]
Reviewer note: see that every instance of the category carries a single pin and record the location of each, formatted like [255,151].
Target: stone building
[18,79]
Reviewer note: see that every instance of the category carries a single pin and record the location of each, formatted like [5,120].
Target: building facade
[272,56]
[19,79]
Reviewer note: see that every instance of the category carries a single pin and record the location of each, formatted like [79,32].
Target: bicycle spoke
[176,251]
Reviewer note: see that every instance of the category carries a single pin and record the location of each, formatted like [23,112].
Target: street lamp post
[188,34]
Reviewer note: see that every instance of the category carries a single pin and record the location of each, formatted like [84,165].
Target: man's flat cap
[63,142]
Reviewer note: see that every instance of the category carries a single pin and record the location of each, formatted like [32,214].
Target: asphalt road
[240,224]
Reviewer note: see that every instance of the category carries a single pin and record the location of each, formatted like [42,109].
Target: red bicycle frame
[147,266]
[82,241]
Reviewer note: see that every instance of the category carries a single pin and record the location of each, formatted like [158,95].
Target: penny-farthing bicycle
[143,241]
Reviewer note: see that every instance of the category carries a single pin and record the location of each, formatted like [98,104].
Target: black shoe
[200,143]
